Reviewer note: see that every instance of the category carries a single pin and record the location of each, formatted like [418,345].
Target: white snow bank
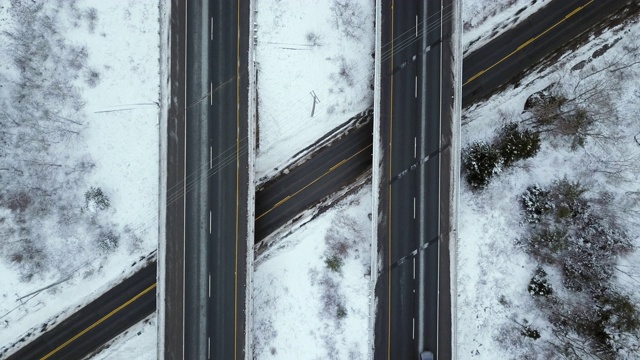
[484,20]
[121,136]
[302,308]
[304,48]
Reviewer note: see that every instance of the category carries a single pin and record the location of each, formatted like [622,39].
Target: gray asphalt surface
[215,220]
[229,184]
[408,309]
[173,282]
[197,196]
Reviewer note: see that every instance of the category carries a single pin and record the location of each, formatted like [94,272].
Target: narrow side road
[95,324]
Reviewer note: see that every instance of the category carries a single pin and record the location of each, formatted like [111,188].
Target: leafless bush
[40,118]
[330,295]
[92,78]
[344,77]
[583,246]
[313,38]
[77,58]
[19,202]
[579,108]
[91,15]
[347,16]
[29,258]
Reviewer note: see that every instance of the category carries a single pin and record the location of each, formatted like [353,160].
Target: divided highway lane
[402,127]
[228,118]
[197,196]
[118,309]
[434,92]
[409,286]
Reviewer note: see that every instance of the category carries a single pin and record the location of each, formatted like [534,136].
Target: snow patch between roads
[308,49]
[312,292]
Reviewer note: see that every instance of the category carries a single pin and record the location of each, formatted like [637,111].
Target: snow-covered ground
[484,20]
[311,293]
[138,342]
[493,271]
[119,94]
[309,47]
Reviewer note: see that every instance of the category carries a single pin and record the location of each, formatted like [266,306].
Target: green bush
[481,162]
[515,144]
[530,332]
[341,312]
[539,285]
[569,201]
[620,312]
[334,263]
[536,203]
[95,197]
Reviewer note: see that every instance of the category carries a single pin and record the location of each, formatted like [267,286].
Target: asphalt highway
[484,70]
[207,182]
[508,56]
[95,324]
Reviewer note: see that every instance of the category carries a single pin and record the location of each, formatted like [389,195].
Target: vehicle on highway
[426,355]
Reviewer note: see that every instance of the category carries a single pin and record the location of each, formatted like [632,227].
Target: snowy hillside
[79,151]
[547,266]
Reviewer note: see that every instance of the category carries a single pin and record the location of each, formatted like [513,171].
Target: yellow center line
[99,322]
[390,172]
[283,201]
[338,165]
[528,42]
[288,197]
